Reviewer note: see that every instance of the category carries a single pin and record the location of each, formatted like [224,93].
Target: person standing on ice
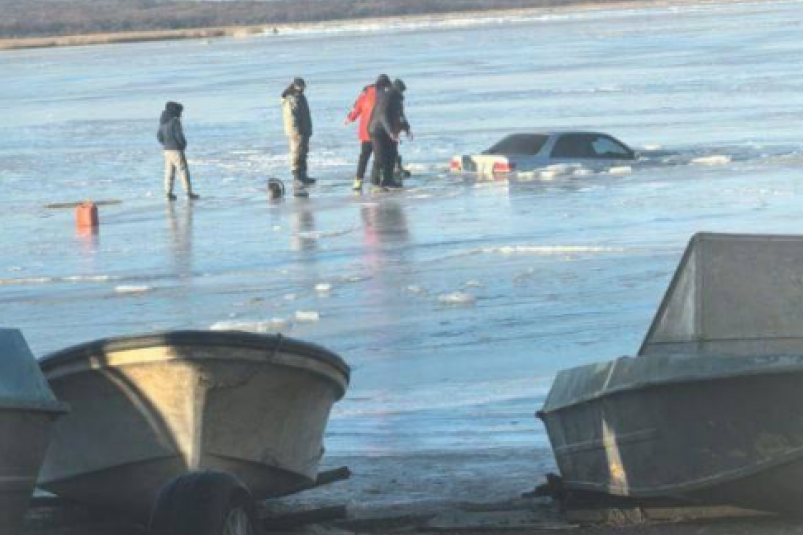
[387,122]
[298,127]
[363,108]
[399,171]
[171,136]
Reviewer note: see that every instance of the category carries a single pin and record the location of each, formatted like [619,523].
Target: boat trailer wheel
[204,503]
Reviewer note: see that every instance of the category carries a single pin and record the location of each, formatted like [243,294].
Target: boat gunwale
[53,407]
[232,339]
[674,381]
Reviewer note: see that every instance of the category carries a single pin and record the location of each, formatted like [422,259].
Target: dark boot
[394,184]
[400,172]
[299,187]
[305,178]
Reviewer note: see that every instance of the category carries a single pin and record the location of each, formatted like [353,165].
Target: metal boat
[27,412]
[710,408]
[146,409]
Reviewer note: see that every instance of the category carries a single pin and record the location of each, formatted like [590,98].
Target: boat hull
[723,430]
[24,435]
[147,409]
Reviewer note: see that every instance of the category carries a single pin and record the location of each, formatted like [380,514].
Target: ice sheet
[454,301]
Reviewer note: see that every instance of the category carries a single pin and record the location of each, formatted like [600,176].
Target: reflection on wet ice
[384,222]
[181,238]
[302,225]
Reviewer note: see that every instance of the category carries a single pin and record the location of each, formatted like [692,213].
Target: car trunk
[485,164]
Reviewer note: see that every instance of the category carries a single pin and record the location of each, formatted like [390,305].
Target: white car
[538,150]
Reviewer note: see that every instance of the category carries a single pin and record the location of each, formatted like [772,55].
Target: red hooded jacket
[363,108]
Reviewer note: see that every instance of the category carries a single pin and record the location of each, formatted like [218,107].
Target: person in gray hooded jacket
[298,127]
[171,136]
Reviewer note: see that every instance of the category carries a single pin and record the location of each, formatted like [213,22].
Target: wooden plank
[75,204]
[331,476]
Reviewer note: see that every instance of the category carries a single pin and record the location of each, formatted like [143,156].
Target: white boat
[27,411]
[146,409]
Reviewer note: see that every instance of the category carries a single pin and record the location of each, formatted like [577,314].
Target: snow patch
[307,316]
[273,325]
[457,298]
[620,170]
[719,159]
[46,280]
[133,289]
[550,249]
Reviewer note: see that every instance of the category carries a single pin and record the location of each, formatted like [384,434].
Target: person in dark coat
[362,110]
[171,136]
[399,171]
[387,123]
[298,127]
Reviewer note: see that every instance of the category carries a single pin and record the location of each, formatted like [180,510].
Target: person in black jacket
[387,122]
[171,136]
[399,172]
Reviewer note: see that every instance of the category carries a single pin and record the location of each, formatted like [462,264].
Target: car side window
[574,146]
[528,144]
[605,147]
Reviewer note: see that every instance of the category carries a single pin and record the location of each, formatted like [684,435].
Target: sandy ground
[461,493]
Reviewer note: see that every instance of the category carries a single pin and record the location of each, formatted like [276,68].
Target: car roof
[558,132]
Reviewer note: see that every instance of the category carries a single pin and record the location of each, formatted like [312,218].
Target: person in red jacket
[363,108]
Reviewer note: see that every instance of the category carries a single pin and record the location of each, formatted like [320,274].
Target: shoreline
[22,43]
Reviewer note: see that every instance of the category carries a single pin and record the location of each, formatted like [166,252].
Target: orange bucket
[86,215]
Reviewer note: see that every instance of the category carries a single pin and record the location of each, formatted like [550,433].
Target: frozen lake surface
[455,301]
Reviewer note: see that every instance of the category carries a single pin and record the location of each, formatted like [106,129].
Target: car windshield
[590,146]
[528,144]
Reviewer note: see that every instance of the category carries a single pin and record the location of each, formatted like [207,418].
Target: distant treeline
[44,18]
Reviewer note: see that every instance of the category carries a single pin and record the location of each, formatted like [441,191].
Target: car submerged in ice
[550,154]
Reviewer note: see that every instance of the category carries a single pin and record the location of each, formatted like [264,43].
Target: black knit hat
[383,80]
[399,85]
[299,82]
[174,107]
